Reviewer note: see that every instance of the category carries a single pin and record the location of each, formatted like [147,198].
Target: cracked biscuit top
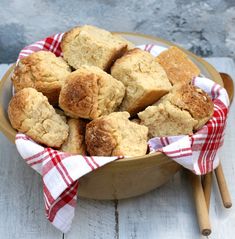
[90,92]
[43,71]
[165,119]
[30,113]
[184,109]
[89,45]
[194,100]
[177,65]
[116,135]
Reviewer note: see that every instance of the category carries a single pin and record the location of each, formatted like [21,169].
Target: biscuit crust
[184,110]
[89,45]
[90,92]
[179,68]
[116,135]
[75,143]
[30,113]
[43,71]
[195,101]
[144,79]
[165,119]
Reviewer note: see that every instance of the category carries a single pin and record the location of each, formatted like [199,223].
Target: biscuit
[114,135]
[89,45]
[43,71]
[165,119]
[178,67]
[184,110]
[75,143]
[30,113]
[194,100]
[90,92]
[144,79]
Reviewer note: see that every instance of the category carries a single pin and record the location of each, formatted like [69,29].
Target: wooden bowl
[126,177]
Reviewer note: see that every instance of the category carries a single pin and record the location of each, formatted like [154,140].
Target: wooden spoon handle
[207,186]
[225,195]
[201,207]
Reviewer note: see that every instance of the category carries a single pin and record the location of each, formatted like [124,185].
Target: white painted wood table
[167,212]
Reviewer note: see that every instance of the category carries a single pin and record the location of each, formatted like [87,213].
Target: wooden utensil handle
[200,203]
[207,185]
[225,195]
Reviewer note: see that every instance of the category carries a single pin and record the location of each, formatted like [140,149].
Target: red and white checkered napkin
[61,171]
[51,43]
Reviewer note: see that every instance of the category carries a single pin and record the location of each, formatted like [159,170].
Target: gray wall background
[207,28]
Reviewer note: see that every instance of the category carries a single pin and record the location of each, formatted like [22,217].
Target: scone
[90,92]
[89,45]
[179,68]
[43,71]
[144,79]
[114,135]
[30,113]
[194,100]
[75,143]
[185,109]
[167,120]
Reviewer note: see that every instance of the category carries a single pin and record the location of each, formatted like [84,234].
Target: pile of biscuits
[105,97]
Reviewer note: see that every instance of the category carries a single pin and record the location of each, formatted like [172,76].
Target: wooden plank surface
[167,212]
[93,220]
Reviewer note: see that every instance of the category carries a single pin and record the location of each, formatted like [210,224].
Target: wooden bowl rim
[8,131]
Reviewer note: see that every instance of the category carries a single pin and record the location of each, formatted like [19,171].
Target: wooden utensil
[200,203]
[224,192]
[207,186]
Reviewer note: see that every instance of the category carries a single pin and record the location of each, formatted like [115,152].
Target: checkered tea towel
[61,171]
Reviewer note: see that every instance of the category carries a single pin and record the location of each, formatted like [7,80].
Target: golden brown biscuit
[165,119]
[184,109]
[43,71]
[195,101]
[144,78]
[90,92]
[89,45]
[75,143]
[30,113]
[114,135]
[179,68]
